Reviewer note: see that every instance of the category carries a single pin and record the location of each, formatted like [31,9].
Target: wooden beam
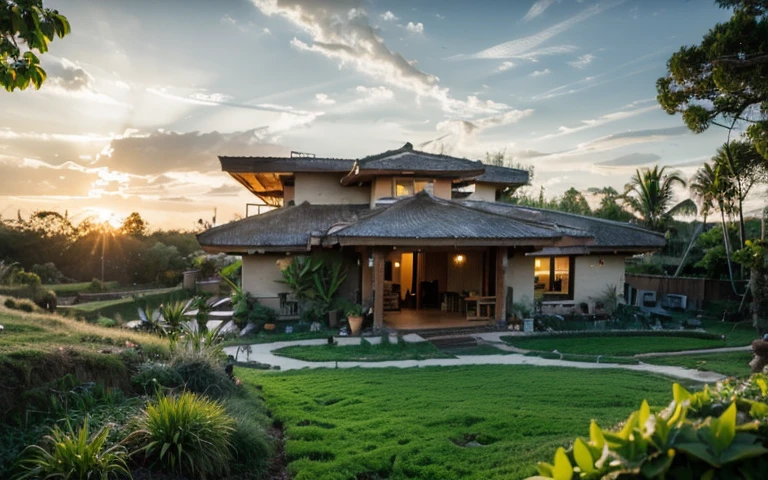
[501,290]
[378,287]
[366,277]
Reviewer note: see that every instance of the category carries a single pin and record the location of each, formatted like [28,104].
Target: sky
[144,95]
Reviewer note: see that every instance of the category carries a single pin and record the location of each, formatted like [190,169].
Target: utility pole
[103,241]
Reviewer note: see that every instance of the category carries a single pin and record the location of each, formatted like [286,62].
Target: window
[553,275]
[407,187]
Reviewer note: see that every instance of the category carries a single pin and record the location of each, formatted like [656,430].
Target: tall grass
[74,455]
[188,434]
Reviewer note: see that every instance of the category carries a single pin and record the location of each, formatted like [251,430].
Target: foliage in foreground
[188,434]
[67,454]
[720,432]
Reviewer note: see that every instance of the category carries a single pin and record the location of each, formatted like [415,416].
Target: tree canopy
[650,193]
[724,80]
[25,27]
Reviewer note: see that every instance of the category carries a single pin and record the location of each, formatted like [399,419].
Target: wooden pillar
[366,277]
[378,287]
[501,289]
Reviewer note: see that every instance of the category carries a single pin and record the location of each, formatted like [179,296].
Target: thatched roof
[283,229]
[609,235]
[425,217]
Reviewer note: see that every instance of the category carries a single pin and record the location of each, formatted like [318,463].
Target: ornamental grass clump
[66,454]
[189,434]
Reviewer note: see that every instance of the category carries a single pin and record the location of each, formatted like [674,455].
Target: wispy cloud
[540,73]
[630,160]
[415,27]
[629,111]
[374,94]
[537,9]
[324,99]
[582,61]
[388,16]
[505,66]
[516,48]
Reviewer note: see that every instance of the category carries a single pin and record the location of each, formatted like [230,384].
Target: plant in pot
[298,276]
[354,313]
[327,281]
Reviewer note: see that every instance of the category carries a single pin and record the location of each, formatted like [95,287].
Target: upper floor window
[407,187]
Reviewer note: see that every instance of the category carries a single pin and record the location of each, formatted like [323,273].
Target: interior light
[459,259]
[538,263]
[397,264]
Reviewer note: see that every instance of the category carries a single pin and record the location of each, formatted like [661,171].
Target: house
[424,237]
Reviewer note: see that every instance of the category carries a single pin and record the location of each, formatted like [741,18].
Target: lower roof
[424,220]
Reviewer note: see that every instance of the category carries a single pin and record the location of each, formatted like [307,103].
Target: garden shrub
[47,301]
[203,375]
[105,322]
[153,376]
[10,303]
[719,432]
[188,434]
[68,454]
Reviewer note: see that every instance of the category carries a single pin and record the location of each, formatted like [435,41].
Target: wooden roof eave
[250,249]
[444,242]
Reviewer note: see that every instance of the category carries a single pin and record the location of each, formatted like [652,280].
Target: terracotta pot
[269,326]
[355,323]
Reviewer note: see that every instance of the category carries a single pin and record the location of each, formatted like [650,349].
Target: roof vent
[302,154]
[407,146]
[386,201]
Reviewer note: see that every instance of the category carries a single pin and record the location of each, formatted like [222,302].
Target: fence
[698,290]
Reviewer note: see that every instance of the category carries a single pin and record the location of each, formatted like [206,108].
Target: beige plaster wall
[591,278]
[381,187]
[519,276]
[483,192]
[442,188]
[324,189]
[260,273]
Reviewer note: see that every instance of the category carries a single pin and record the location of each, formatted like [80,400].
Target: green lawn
[125,307]
[264,337]
[419,423]
[728,363]
[736,334]
[364,352]
[614,346]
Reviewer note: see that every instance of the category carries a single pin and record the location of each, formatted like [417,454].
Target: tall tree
[25,27]
[134,225]
[712,188]
[724,80]
[573,201]
[744,167]
[611,205]
[650,193]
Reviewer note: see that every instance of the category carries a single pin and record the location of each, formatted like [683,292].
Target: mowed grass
[420,423]
[365,352]
[736,334]
[126,307]
[735,364]
[613,346]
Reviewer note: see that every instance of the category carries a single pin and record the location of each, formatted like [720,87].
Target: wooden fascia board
[368,175]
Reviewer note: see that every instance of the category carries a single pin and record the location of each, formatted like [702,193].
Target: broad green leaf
[758,410]
[562,470]
[658,466]
[740,452]
[680,394]
[583,457]
[725,428]
[643,413]
[596,435]
[700,451]
[545,469]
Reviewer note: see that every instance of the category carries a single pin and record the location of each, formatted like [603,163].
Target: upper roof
[607,234]
[265,176]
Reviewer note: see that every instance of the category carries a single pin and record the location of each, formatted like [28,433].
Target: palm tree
[650,194]
[740,162]
[712,188]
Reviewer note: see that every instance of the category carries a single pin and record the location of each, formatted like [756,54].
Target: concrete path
[263,353]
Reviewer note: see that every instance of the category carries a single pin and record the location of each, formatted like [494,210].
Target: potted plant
[354,313]
[327,281]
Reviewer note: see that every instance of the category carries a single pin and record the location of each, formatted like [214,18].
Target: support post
[501,291]
[378,287]
[366,277]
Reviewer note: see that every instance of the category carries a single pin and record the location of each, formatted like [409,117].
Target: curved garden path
[263,353]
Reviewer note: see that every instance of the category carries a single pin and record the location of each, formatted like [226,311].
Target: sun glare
[105,216]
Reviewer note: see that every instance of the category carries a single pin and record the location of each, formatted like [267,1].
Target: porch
[412,319]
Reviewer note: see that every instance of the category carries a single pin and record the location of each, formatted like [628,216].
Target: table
[485,308]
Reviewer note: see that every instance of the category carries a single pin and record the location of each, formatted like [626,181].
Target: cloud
[225,191]
[340,30]
[460,135]
[582,61]
[602,120]
[415,27]
[375,94]
[520,46]
[440,17]
[540,73]
[631,160]
[324,99]
[388,16]
[163,151]
[69,79]
[537,9]
[505,66]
